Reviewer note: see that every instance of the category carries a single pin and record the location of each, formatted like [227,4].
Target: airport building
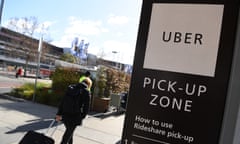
[20,51]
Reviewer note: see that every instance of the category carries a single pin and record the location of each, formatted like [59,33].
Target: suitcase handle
[50,126]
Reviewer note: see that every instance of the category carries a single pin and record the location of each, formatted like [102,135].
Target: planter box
[100,104]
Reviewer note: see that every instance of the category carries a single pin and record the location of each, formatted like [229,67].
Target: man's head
[87,74]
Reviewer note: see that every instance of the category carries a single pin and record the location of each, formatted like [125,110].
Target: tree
[68,58]
[28,27]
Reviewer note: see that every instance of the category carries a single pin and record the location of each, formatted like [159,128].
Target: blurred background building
[19,50]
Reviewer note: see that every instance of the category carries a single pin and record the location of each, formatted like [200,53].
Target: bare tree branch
[28,26]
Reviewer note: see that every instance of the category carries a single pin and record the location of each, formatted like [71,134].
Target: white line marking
[154,140]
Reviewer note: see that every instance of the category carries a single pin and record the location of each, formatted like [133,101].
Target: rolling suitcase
[32,137]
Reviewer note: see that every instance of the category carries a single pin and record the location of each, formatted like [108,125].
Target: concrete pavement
[19,116]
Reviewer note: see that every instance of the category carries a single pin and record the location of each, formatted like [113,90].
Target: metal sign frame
[170,106]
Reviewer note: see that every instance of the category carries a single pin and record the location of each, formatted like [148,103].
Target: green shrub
[49,94]
[61,78]
[108,81]
[26,91]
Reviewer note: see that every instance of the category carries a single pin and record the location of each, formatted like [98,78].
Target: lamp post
[115,53]
[1,9]
[38,66]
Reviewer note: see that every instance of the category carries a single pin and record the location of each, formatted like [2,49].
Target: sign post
[183,73]
[1,11]
[38,67]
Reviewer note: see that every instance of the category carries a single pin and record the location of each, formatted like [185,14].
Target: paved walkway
[19,116]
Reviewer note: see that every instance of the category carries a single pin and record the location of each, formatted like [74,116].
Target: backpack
[72,101]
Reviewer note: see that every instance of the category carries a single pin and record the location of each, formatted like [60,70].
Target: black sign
[181,72]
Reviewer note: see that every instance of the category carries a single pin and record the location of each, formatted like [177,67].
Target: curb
[12,98]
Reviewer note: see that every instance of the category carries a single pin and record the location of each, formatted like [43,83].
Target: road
[8,81]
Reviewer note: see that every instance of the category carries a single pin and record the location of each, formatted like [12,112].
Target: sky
[107,25]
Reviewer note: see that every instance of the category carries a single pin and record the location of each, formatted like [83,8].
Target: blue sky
[108,25]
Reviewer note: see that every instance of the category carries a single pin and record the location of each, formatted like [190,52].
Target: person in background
[86,75]
[19,72]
